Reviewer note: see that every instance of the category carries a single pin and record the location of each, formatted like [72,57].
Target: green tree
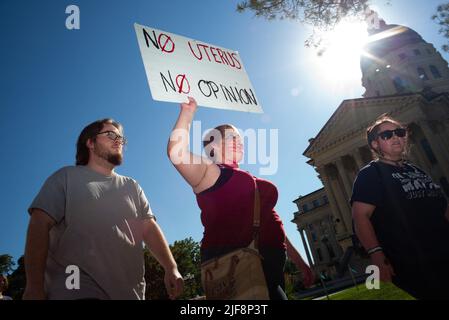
[441,17]
[187,256]
[154,278]
[318,13]
[6,264]
[17,281]
[322,15]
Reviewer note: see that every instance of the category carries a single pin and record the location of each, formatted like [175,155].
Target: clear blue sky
[54,81]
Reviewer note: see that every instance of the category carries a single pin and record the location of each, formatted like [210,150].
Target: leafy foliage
[6,264]
[187,255]
[318,13]
[321,14]
[17,281]
[442,19]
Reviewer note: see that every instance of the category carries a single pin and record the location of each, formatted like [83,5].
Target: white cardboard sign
[178,67]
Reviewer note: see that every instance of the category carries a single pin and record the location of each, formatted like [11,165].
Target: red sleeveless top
[227,212]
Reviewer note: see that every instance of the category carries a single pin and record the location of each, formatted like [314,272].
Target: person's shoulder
[127,180]
[70,169]
[62,172]
[369,169]
[369,174]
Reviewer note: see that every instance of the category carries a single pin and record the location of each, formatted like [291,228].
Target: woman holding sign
[226,197]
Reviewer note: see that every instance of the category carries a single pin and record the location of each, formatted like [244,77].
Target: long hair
[373,131]
[90,132]
[213,134]
[4,286]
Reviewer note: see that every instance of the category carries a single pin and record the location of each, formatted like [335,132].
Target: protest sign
[178,67]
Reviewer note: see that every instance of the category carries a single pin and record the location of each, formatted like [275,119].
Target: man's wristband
[374,250]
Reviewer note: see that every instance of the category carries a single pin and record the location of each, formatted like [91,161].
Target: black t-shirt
[409,219]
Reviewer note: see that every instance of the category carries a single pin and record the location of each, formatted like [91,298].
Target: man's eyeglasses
[388,134]
[114,136]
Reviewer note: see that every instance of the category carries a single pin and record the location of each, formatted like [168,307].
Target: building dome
[389,37]
[398,60]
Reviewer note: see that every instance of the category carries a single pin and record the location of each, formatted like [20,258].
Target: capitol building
[405,77]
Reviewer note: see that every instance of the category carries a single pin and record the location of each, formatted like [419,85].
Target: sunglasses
[388,134]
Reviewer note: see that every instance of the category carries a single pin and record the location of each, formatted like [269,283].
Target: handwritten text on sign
[177,67]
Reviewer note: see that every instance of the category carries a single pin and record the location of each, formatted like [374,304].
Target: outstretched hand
[190,106]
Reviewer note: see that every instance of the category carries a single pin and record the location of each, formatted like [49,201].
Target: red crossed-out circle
[168,46]
[181,80]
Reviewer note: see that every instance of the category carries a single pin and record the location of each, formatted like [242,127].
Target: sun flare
[337,61]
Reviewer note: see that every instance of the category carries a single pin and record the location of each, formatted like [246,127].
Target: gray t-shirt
[98,229]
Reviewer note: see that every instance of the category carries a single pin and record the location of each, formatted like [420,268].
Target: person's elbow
[41,220]
[175,154]
[169,150]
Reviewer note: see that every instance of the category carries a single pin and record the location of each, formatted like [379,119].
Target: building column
[306,248]
[335,245]
[343,204]
[358,159]
[344,178]
[333,201]
[438,151]
[439,139]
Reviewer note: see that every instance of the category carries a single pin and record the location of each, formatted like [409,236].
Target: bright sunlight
[337,62]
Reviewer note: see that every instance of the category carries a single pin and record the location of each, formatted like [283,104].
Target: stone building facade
[404,77]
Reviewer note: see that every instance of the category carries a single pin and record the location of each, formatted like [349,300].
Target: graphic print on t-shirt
[417,184]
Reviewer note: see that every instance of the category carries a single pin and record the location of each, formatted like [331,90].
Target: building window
[316,203]
[417,52]
[422,74]
[436,74]
[402,56]
[320,256]
[314,237]
[428,151]
[377,93]
[325,199]
[305,207]
[429,51]
[399,84]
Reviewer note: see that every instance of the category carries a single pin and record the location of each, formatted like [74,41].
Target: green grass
[387,291]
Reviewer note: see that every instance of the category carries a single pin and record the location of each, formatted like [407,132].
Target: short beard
[115,159]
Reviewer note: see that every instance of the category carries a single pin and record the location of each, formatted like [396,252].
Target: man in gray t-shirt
[87,227]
